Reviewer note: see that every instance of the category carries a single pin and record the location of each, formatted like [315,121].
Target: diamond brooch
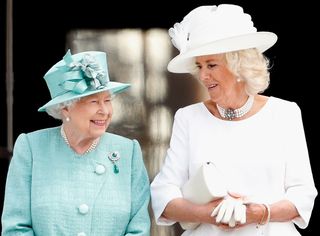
[114,157]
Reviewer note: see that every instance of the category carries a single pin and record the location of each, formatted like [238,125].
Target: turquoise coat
[51,190]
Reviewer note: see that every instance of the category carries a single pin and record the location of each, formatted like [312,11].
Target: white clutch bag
[206,185]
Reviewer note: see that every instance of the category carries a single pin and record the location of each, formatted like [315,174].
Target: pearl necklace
[231,114]
[90,149]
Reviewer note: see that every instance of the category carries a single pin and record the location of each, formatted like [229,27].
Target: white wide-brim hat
[209,30]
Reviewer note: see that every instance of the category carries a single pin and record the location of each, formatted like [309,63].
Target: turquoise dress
[51,190]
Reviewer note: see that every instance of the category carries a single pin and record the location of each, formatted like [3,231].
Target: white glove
[230,211]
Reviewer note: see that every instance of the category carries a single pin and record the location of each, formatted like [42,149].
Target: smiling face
[90,116]
[221,84]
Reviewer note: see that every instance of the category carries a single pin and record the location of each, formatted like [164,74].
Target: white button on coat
[100,169]
[83,209]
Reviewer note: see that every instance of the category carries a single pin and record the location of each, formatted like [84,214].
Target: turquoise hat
[79,75]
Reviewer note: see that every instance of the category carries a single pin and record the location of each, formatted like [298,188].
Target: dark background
[39,41]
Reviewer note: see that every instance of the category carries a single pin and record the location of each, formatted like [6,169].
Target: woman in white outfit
[256,142]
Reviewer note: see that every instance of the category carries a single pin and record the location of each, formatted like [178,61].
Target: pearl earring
[67,119]
[238,80]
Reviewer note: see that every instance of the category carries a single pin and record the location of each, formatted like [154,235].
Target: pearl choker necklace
[90,149]
[231,114]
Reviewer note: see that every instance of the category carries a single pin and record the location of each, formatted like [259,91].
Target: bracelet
[263,215]
[264,219]
[268,213]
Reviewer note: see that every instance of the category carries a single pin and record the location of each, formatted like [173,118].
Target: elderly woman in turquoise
[77,179]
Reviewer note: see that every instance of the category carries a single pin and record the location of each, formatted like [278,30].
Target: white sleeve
[299,183]
[174,172]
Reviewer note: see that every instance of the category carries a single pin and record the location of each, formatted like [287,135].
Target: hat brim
[113,87]
[184,62]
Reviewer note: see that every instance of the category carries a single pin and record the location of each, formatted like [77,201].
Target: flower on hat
[179,36]
[180,32]
[90,68]
[83,75]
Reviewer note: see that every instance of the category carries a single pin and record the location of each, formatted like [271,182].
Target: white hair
[56,110]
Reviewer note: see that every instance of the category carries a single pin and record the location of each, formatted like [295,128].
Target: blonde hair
[252,67]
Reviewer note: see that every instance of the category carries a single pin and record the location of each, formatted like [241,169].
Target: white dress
[264,157]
